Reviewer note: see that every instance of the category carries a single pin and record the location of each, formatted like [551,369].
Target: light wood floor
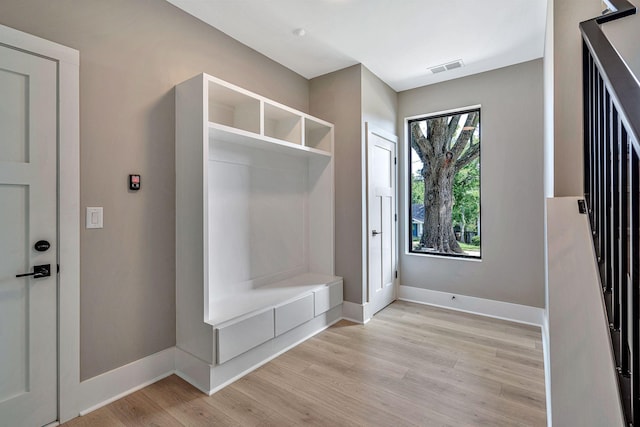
[410,365]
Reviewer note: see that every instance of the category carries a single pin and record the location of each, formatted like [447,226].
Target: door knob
[39,271]
[375,233]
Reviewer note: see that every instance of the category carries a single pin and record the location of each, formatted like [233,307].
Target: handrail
[622,85]
[621,8]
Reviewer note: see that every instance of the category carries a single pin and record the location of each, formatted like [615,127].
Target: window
[444,181]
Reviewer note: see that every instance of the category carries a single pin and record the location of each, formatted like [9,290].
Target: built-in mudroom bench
[254,230]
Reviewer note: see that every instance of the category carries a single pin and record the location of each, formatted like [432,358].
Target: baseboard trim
[113,385]
[99,391]
[353,312]
[484,307]
[358,313]
[547,366]
[193,370]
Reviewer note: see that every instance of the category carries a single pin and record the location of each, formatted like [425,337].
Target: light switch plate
[94,217]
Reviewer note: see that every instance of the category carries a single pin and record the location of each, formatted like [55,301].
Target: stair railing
[612,193]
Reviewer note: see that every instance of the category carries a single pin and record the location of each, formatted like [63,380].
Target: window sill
[451,257]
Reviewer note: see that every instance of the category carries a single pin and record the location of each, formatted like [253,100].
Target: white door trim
[68,61]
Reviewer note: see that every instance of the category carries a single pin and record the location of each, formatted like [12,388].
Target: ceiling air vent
[438,69]
[446,67]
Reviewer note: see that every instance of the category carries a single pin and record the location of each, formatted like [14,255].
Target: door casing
[68,188]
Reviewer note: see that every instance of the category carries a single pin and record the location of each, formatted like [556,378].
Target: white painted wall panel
[584,389]
[257,217]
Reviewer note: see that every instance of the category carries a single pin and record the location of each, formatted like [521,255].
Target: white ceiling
[398,40]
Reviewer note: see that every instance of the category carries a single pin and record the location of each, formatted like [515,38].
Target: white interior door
[28,320]
[381,201]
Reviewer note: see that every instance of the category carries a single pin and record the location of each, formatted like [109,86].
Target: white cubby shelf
[254,230]
[246,117]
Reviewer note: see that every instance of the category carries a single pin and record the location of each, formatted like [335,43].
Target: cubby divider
[282,124]
[318,134]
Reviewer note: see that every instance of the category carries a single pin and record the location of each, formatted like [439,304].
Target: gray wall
[512,266]
[348,98]
[336,97]
[380,110]
[567,66]
[379,102]
[132,53]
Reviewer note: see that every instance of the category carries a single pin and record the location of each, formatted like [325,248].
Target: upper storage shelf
[233,108]
[239,116]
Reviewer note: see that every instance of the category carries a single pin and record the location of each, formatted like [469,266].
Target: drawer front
[236,338]
[293,314]
[327,298]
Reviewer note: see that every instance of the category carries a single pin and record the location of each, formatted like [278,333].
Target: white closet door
[381,189]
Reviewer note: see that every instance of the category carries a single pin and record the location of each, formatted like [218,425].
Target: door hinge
[396,274]
[58,268]
[395,160]
[395,217]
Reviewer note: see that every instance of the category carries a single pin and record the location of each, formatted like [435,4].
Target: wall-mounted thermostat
[134,182]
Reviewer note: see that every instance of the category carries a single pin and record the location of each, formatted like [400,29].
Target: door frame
[68,172]
[373,130]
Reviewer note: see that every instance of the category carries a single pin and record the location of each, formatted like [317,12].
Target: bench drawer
[237,337]
[327,298]
[293,314]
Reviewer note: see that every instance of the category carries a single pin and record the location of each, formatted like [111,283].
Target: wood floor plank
[102,417]
[246,410]
[349,409]
[524,358]
[528,397]
[137,409]
[386,347]
[185,403]
[468,334]
[323,350]
[473,332]
[376,391]
[410,365]
[289,403]
[479,409]
[438,340]
[498,374]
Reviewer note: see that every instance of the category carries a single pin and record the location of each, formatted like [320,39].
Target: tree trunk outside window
[444,150]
